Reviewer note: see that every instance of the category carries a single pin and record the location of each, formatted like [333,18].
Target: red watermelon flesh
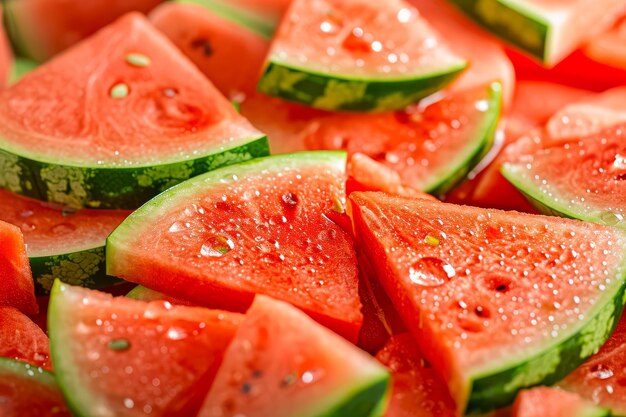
[488,61]
[49,229]
[230,55]
[553,402]
[6,55]
[602,379]
[22,339]
[259,227]
[133,358]
[417,390]
[41,29]
[27,391]
[79,122]
[462,278]
[280,353]
[609,48]
[16,281]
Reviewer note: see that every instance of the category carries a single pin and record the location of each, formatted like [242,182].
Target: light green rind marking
[532,373]
[84,268]
[113,188]
[597,332]
[20,369]
[351,93]
[21,67]
[517,25]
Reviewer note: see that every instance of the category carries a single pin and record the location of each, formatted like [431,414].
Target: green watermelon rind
[113,187]
[21,67]
[356,93]
[236,15]
[494,388]
[517,25]
[483,139]
[368,398]
[9,366]
[141,218]
[12,29]
[546,204]
[83,268]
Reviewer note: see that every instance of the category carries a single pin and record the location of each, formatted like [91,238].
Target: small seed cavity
[119,91]
[119,344]
[138,60]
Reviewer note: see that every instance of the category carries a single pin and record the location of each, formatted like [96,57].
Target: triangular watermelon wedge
[357,55]
[280,354]
[585,179]
[497,301]
[553,402]
[261,227]
[23,340]
[28,391]
[115,120]
[122,357]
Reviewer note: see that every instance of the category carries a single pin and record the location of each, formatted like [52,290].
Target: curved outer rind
[85,268]
[239,16]
[485,137]
[351,93]
[370,399]
[113,188]
[25,370]
[498,388]
[520,27]
[548,205]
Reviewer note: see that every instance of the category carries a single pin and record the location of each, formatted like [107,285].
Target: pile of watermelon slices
[312,208]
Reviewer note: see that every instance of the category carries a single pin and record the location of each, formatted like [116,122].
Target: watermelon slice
[213,42]
[22,339]
[432,147]
[417,390]
[359,55]
[16,280]
[553,402]
[258,227]
[489,62]
[62,243]
[279,353]
[497,301]
[122,357]
[39,29]
[27,391]
[602,379]
[584,180]
[61,130]
[546,29]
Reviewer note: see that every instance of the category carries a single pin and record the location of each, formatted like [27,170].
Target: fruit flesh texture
[23,340]
[353,28]
[18,289]
[417,390]
[6,55]
[211,41]
[582,179]
[478,291]
[279,352]
[41,29]
[234,228]
[27,391]
[608,47]
[50,229]
[181,113]
[110,353]
[603,370]
[553,402]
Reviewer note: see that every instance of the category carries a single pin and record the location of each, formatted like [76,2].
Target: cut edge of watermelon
[543,202]
[25,370]
[364,93]
[236,15]
[484,137]
[555,362]
[159,205]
